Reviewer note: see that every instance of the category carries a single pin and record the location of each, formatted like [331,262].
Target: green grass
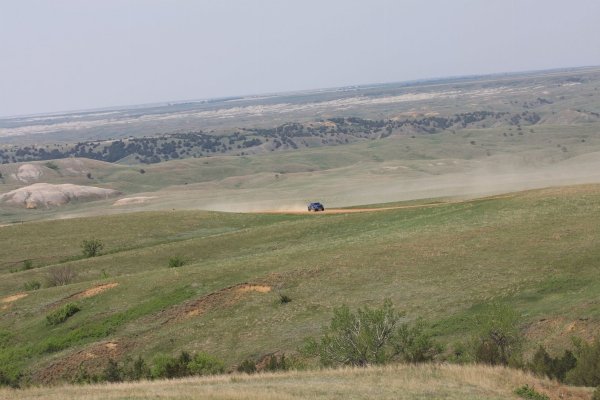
[536,251]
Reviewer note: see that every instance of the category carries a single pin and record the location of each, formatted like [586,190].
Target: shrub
[545,365]
[277,363]
[84,376]
[499,339]
[92,247]
[596,394]
[284,298]
[414,344]
[51,165]
[587,370]
[247,367]
[171,367]
[175,262]
[136,370]
[32,285]
[11,378]
[112,372]
[61,276]
[62,314]
[205,364]
[27,264]
[370,336]
[528,392]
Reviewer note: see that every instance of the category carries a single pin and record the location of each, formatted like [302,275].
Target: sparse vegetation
[32,285]
[528,392]
[62,314]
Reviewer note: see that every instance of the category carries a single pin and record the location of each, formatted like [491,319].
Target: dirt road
[359,210]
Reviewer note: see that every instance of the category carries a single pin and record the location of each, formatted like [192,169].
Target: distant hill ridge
[245,141]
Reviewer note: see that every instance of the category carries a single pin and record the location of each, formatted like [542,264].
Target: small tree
[92,247]
[60,276]
[499,339]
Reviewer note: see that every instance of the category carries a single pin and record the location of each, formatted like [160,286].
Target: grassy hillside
[401,382]
[536,251]
[470,162]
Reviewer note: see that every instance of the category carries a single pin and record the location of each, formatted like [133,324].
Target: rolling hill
[535,251]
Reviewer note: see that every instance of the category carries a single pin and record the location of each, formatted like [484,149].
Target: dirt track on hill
[359,210]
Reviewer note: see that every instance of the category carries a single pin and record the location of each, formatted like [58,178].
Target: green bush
[205,364]
[170,367]
[32,285]
[414,344]
[277,363]
[91,247]
[186,365]
[136,370]
[596,394]
[62,314]
[27,264]
[112,372]
[284,298]
[10,378]
[51,165]
[175,262]
[247,367]
[553,367]
[371,336]
[587,370]
[528,392]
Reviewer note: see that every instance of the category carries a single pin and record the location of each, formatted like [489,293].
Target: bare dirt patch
[14,297]
[558,331]
[133,200]
[226,297]
[84,294]
[93,358]
[91,292]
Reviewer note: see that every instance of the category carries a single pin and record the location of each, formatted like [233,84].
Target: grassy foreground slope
[392,382]
[536,251]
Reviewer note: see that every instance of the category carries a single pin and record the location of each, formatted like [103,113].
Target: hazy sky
[63,55]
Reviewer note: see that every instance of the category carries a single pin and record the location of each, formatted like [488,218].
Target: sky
[58,55]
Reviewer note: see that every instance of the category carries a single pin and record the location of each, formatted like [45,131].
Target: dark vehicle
[316,207]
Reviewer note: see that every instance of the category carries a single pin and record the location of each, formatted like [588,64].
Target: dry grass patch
[389,382]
